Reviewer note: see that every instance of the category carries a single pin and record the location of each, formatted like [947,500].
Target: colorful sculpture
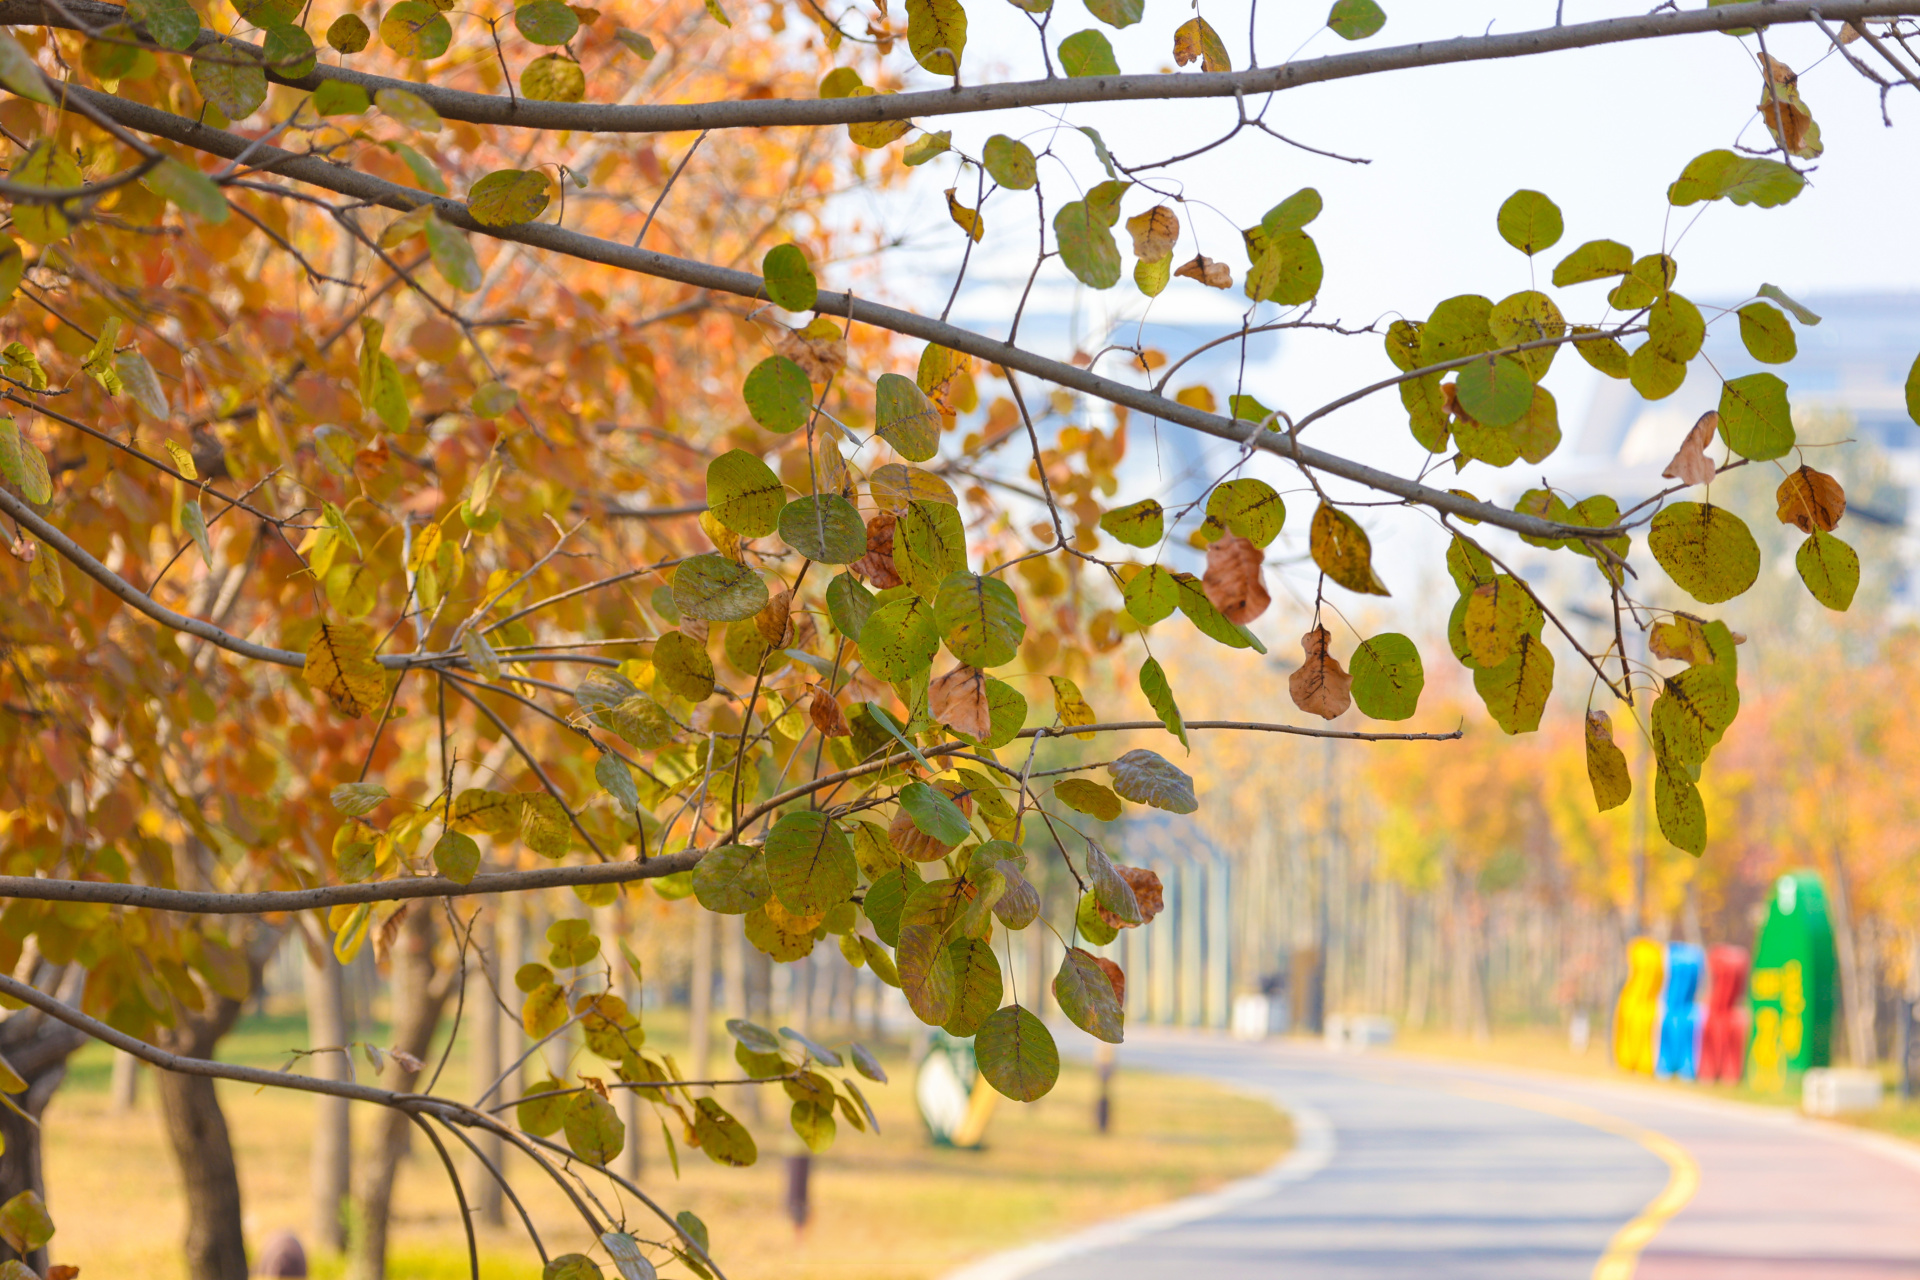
[1679,1014]
[1638,1012]
[1723,1037]
[1792,985]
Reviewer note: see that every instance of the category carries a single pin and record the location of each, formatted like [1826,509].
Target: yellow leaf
[182,461]
[1195,41]
[1072,708]
[340,663]
[968,220]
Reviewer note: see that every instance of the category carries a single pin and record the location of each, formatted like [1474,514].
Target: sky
[1602,132]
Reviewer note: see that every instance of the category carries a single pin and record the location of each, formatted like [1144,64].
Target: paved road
[1412,1169]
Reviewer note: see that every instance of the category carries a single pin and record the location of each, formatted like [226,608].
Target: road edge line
[1314,1147]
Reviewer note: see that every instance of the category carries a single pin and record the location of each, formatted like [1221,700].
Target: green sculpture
[1792,986]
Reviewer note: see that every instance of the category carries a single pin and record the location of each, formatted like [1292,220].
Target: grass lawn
[891,1207]
[1546,1049]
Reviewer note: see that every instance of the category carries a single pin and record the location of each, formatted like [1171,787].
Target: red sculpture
[1723,1040]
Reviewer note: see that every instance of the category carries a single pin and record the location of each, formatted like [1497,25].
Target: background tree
[344,540]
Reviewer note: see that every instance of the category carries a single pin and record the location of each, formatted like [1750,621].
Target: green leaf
[1755,419]
[1096,929]
[1675,328]
[1286,271]
[572,1266]
[818,1051]
[415,29]
[1426,410]
[1516,690]
[732,879]
[1653,375]
[1086,996]
[746,496]
[1152,277]
[929,546]
[172,24]
[453,255]
[926,147]
[1594,260]
[824,527]
[683,666]
[1528,316]
[593,1128]
[1016,1054]
[553,78]
[193,191]
[348,34]
[713,588]
[194,521]
[24,1223]
[899,638]
[809,863]
[1151,595]
[1110,889]
[978,986]
[237,84]
[1153,683]
[1248,508]
[1208,620]
[1913,390]
[789,280]
[1707,550]
[1767,335]
[1830,568]
[724,1139]
[546,22]
[849,605]
[1117,13]
[1530,222]
[1355,19]
[1774,293]
[1726,175]
[1682,817]
[507,196]
[357,799]
[340,98]
[1496,392]
[937,34]
[410,109]
[934,813]
[926,973]
[611,772]
[1086,243]
[1009,162]
[1087,53]
[1088,797]
[979,618]
[1006,714]
[1387,677]
[1138,524]
[22,464]
[905,418]
[635,43]
[1147,777]
[778,394]
[457,857]
[1459,326]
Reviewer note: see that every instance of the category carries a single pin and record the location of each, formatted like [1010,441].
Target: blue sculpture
[1680,1014]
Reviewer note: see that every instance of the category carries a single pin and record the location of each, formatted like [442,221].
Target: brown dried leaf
[958,700]
[826,714]
[820,348]
[1811,500]
[1233,581]
[877,565]
[1147,893]
[1320,686]
[1117,976]
[775,621]
[1208,271]
[1154,233]
[1692,465]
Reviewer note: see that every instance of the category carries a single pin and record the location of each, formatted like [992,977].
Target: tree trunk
[125,1093]
[197,1130]
[1857,993]
[420,994]
[38,1048]
[332,1131]
[483,1038]
[700,998]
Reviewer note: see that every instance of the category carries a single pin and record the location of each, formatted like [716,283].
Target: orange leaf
[1232,580]
[1811,500]
[1208,271]
[826,714]
[1320,686]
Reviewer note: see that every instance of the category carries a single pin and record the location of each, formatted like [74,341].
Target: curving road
[1412,1169]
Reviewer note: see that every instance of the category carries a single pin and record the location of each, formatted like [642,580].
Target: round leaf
[1768,336]
[348,34]
[732,879]
[456,856]
[1707,550]
[809,863]
[1009,163]
[1387,677]
[1248,508]
[979,618]
[744,494]
[1016,1054]
[1138,524]
[553,78]
[824,527]
[713,588]
[1495,392]
[1830,568]
[507,196]
[778,394]
[905,418]
[1755,419]
[789,279]
[1356,19]
[978,986]
[1530,222]
[546,22]
[415,29]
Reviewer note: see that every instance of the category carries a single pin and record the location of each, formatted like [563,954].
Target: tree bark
[197,1130]
[1857,994]
[38,1048]
[483,1038]
[420,992]
[700,998]
[332,1130]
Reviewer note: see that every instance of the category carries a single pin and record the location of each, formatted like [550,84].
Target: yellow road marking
[1622,1256]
